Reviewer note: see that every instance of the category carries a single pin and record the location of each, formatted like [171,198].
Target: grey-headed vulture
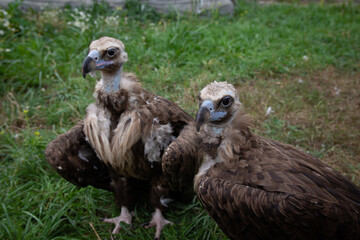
[130,142]
[257,188]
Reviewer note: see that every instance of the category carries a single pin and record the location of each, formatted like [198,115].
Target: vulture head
[107,55]
[218,104]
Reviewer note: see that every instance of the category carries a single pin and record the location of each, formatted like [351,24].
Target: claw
[159,222]
[125,216]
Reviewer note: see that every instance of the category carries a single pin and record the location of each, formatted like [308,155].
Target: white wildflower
[2,32]
[6,23]
[269,111]
[78,24]
[112,20]
[337,90]
[83,26]
[82,15]
[300,80]
[305,58]
[81,19]
[4,12]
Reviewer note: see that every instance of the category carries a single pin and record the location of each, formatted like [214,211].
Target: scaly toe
[159,222]
[125,217]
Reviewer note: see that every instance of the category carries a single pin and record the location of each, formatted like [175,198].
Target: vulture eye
[111,52]
[226,101]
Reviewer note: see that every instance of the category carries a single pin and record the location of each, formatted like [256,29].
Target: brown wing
[180,161]
[136,125]
[168,112]
[244,212]
[317,175]
[73,158]
[140,121]
[276,191]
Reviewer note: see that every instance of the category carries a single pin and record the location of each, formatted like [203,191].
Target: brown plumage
[131,141]
[256,188]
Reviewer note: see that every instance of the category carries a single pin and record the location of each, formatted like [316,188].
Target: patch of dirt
[325,105]
[16,116]
[341,95]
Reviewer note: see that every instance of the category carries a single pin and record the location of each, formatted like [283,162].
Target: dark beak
[89,65]
[202,116]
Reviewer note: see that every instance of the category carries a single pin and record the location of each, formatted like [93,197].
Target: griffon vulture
[256,188]
[130,141]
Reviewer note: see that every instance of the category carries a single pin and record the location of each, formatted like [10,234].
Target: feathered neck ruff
[117,101]
[231,139]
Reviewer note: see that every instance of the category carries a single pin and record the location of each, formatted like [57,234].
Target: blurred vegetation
[300,60]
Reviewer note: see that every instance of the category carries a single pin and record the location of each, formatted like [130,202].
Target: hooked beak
[88,66]
[93,62]
[202,117]
[207,113]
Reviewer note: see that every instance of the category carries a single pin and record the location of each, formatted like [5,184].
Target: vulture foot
[125,216]
[159,222]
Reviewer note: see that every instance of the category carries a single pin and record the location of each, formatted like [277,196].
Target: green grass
[263,50]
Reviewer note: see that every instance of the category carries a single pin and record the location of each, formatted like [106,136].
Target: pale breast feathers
[115,148]
[97,131]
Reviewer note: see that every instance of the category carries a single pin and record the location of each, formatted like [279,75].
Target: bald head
[217,90]
[104,43]
[106,54]
[218,103]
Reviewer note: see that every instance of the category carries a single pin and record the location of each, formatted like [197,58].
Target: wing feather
[73,158]
[180,161]
[137,125]
[250,212]
[266,189]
